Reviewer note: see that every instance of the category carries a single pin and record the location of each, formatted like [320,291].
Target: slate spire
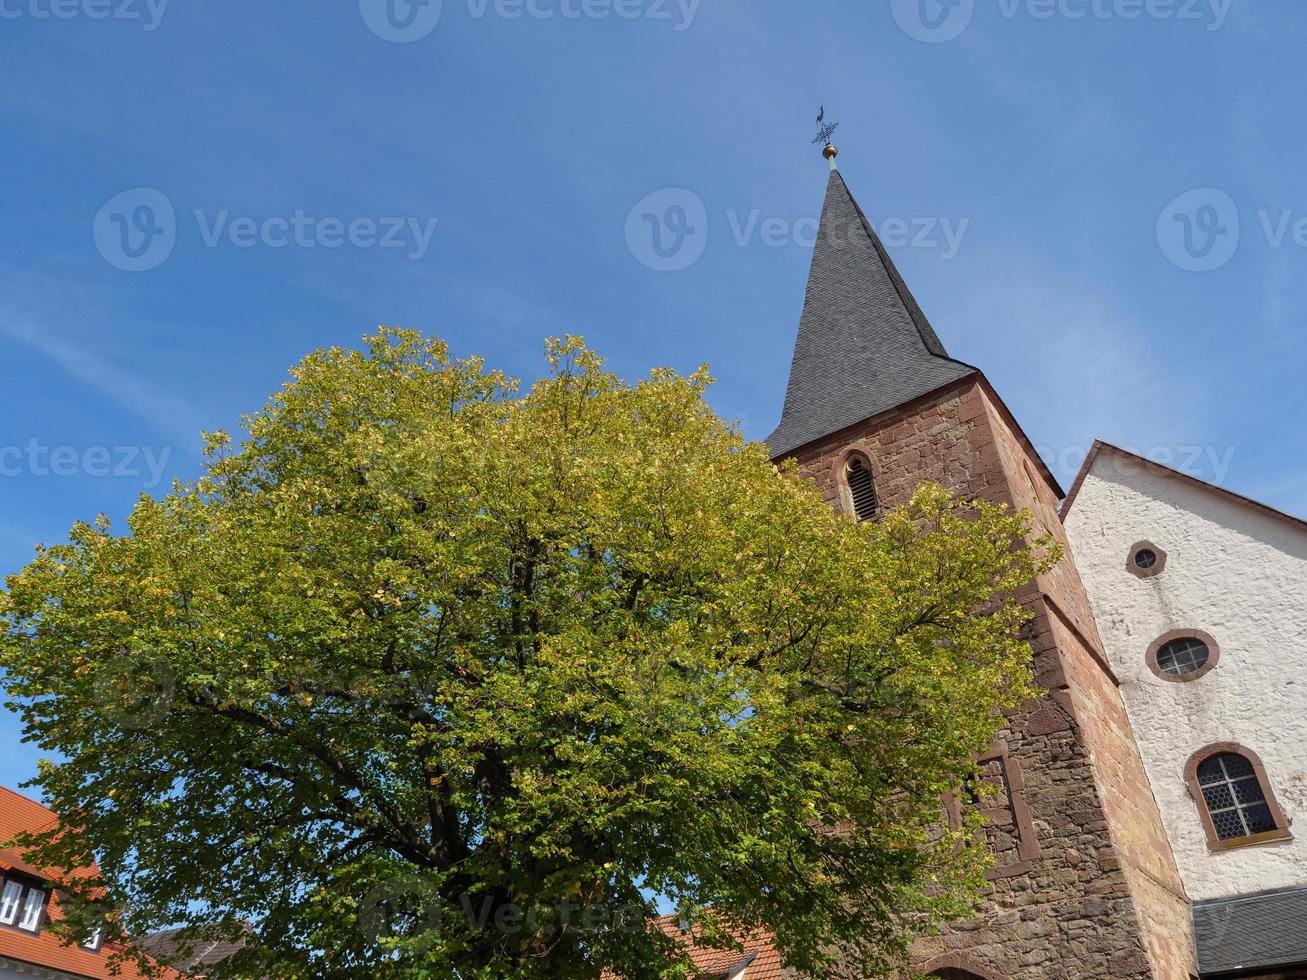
[864,346]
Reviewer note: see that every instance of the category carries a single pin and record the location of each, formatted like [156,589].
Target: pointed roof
[864,345]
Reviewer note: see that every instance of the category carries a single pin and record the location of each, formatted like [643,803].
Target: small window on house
[93,944]
[1231,789]
[1145,560]
[9,902]
[862,488]
[1183,655]
[32,910]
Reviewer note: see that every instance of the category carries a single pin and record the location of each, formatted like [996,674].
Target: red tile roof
[20,815]
[758,961]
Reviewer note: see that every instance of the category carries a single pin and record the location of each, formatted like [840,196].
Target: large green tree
[431,676]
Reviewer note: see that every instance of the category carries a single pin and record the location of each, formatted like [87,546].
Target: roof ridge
[1233,495]
[23,796]
[919,319]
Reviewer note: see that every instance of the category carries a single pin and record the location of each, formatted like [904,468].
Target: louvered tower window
[862,488]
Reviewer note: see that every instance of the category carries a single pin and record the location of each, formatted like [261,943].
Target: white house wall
[1240,575]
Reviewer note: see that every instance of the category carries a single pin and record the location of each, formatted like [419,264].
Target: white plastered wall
[1241,575]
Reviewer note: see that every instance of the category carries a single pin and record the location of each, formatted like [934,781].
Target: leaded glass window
[1183,656]
[1234,797]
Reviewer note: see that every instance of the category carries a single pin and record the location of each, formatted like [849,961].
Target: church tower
[1084,883]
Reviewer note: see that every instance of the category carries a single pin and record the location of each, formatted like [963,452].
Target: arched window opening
[862,488]
[957,966]
[1235,797]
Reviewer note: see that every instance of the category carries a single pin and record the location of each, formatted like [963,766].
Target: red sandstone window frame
[1214,842]
[1213,654]
[1027,840]
[840,475]
[1135,570]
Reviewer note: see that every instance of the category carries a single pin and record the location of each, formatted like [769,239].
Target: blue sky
[485,174]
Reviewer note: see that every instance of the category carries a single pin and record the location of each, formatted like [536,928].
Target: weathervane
[825,131]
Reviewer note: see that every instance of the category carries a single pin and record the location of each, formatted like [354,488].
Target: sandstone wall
[1085,885]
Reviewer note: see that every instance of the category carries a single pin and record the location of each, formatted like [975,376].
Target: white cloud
[166,413]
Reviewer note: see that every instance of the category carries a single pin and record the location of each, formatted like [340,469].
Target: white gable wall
[1234,572]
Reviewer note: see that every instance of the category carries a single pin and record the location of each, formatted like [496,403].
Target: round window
[1180,658]
[1145,558]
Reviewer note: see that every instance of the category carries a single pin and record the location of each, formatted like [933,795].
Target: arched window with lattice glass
[1234,797]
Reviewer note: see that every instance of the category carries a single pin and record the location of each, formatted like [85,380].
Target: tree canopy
[429,675]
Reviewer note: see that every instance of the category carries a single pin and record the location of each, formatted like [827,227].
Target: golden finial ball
[831,151]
